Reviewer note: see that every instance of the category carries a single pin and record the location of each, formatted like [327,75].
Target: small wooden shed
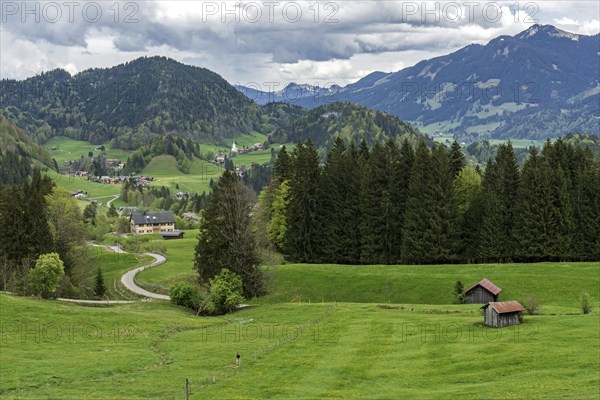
[499,314]
[175,234]
[482,292]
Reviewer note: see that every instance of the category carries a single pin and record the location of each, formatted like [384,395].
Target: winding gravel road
[128,280]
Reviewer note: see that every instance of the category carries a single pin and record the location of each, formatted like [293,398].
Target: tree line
[419,205]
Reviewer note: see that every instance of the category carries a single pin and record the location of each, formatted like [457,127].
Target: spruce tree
[282,168]
[531,211]
[586,203]
[375,203]
[416,242]
[301,235]
[226,239]
[500,185]
[456,159]
[99,286]
[333,192]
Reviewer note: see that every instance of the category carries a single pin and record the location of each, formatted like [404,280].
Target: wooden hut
[482,292]
[499,314]
[175,234]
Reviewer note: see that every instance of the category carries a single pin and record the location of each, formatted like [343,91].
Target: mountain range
[542,82]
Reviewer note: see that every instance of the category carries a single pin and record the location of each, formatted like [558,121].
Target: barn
[499,314]
[482,292]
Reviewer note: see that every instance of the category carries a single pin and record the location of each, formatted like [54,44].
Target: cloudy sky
[260,42]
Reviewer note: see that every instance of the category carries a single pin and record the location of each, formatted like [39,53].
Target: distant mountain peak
[546,30]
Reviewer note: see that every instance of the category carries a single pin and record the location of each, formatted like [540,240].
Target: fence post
[187,389]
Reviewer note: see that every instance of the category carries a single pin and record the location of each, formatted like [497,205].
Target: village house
[482,292]
[145,222]
[499,314]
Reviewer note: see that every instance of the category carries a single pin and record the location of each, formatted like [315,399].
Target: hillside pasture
[68,149]
[164,169]
[290,351]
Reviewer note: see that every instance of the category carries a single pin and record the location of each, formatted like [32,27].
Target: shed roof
[174,233]
[487,285]
[153,217]
[503,307]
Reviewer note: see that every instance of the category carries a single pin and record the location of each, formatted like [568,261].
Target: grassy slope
[425,350]
[180,255]
[68,149]
[165,170]
[114,265]
[358,351]
[558,284]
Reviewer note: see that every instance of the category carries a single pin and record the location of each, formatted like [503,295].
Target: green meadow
[321,332]
[68,149]
[164,169]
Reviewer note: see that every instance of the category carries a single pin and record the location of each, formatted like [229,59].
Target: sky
[268,43]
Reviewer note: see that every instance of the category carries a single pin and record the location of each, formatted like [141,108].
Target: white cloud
[368,36]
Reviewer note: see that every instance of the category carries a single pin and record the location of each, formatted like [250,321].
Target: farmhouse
[482,292]
[144,222]
[499,314]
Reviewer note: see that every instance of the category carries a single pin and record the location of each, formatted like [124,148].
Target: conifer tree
[457,159]
[301,234]
[99,286]
[282,168]
[416,244]
[226,239]
[333,190]
[375,207]
[531,212]
[500,185]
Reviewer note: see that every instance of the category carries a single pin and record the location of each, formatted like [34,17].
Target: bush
[531,304]
[585,302]
[459,295]
[47,274]
[225,292]
[187,295]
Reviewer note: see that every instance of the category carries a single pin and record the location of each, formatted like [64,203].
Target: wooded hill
[350,122]
[129,103]
[17,153]
[133,103]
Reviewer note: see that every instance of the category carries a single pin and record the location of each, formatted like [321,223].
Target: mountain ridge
[538,77]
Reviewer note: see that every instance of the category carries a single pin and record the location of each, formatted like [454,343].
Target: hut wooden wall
[480,296]
[492,318]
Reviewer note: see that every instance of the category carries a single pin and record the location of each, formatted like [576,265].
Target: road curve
[128,280]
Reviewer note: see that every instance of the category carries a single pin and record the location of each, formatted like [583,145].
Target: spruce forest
[399,204]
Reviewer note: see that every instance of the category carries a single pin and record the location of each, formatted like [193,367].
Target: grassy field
[114,265]
[290,351]
[99,191]
[68,149]
[164,169]
[323,331]
[180,261]
[258,157]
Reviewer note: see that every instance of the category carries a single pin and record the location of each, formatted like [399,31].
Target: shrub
[531,304]
[585,302]
[459,295]
[47,274]
[187,295]
[225,292]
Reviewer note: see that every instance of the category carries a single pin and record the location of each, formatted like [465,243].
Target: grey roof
[175,233]
[153,217]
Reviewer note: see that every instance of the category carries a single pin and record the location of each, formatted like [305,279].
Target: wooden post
[187,389]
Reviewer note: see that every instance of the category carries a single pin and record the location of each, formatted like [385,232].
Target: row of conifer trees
[419,205]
